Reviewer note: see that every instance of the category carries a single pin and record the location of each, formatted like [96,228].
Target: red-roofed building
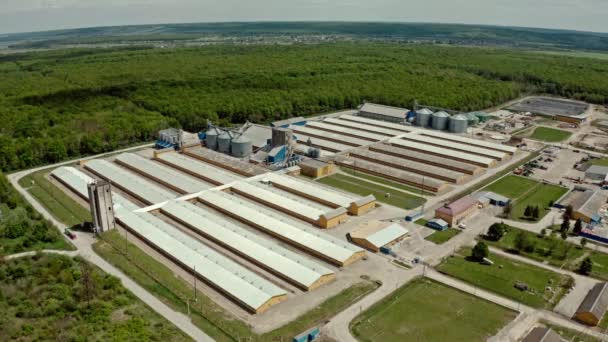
[453,213]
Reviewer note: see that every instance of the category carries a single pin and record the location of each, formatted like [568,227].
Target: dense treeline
[21,227]
[57,298]
[60,104]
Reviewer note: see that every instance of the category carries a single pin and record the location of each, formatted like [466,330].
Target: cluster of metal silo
[211,138]
[423,117]
[472,119]
[440,120]
[459,123]
[241,146]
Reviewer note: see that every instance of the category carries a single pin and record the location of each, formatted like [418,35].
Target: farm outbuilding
[453,213]
[542,334]
[493,198]
[316,168]
[586,204]
[374,235]
[382,112]
[597,172]
[594,306]
[437,224]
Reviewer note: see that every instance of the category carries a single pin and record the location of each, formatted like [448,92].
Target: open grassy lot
[397,198]
[206,314]
[600,162]
[424,310]
[48,299]
[443,236]
[570,335]
[385,181]
[549,134]
[59,204]
[504,274]
[526,191]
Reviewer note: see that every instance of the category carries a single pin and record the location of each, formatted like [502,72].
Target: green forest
[57,298]
[62,104]
[21,227]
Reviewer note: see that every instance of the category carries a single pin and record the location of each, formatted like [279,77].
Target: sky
[41,15]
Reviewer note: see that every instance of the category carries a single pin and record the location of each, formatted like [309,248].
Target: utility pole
[195,283]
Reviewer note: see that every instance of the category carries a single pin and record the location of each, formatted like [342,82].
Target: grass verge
[424,310]
[206,314]
[504,274]
[59,204]
[441,237]
[385,181]
[549,134]
[397,198]
[570,335]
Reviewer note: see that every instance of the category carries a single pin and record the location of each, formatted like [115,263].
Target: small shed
[374,235]
[437,224]
[594,306]
[542,334]
[453,213]
[597,172]
[491,198]
[316,168]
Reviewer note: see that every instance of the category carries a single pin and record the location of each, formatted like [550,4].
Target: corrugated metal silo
[223,142]
[472,119]
[458,123]
[241,146]
[440,120]
[211,138]
[423,117]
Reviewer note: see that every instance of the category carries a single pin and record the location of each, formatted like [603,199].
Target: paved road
[84,244]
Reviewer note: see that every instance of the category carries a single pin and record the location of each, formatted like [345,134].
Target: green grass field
[385,181]
[397,198]
[443,236]
[600,162]
[63,207]
[502,276]
[160,281]
[526,191]
[549,134]
[424,310]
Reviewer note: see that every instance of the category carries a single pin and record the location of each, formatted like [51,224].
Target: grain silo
[458,123]
[440,120]
[211,138]
[482,116]
[472,119]
[241,146]
[223,142]
[423,117]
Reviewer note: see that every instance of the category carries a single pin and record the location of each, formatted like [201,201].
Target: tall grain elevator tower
[102,208]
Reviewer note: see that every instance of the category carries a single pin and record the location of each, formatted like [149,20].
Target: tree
[528,211]
[568,212]
[521,241]
[583,242]
[565,227]
[564,234]
[543,232]
[578,227]
[497,231]
[586,266]
[535,212]
[551,203]
[480,251]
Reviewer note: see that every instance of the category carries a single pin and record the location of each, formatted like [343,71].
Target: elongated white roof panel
[455,146]
[180,182]
[378,123]
[469,141]
[442,151]
[364,127]
[322,244]
[314,190]
[316,133]
[263,251]
[78,181]
[75,179]
[146,191]
[384,110]
[425,158]
[346,131]
[321,143]
[276,200]
[195,167]
[387,235]
[225,274]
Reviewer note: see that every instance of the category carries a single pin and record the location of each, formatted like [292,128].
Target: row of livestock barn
[418,157]
[205,211]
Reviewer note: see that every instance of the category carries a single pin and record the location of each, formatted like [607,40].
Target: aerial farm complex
[272,221]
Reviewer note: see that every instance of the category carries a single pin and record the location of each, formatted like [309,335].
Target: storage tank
[423,117]
[223,142]
[211,138]
[458,123]
[440,120]
[472,118]
[241,146]
[482,116]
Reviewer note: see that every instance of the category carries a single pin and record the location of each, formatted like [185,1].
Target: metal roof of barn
[384,110]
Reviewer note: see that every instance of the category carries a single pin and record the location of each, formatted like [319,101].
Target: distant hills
[546,39]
